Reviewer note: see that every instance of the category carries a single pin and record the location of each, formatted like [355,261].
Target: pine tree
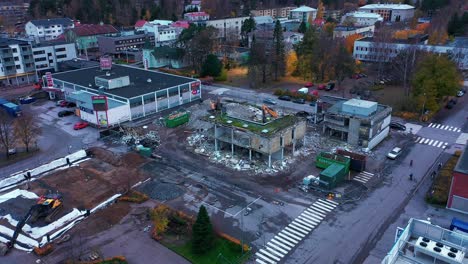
[278,58]
[302,27]
[202,232]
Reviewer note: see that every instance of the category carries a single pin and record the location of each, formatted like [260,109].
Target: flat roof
[387,6]
[360,103]
[139,84]
[304,9]
[462,164]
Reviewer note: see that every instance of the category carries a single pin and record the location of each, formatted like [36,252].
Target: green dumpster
[325,159]
[176,119]
[333,175]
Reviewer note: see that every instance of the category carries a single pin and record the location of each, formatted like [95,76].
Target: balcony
[8,63]
[10,71]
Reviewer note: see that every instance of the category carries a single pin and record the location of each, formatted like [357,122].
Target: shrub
[42,251]
[278,92]
[134,197]
[222,77]
[233,240]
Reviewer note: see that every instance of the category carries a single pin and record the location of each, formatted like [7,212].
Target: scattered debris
[161,191]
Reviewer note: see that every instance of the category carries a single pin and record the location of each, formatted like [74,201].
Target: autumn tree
[278,52]
[202,232]
[438,37]
[26,130]
[403,66]
[382,41]
[344,63]
[159,216]
[436,77]
[349,42]
[320,10]
[306,54]
[257,63]
[7,139]
[291,63]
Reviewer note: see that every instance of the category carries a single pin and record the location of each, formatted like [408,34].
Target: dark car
[330,86]
[65,113]
[450,105]
[397,126]
[71,104]
[302,114]
[285,98]
[269,101]
[299,101]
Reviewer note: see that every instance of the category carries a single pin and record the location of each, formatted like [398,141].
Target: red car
[309,84]
[80,125]
[321,86]
[63,103]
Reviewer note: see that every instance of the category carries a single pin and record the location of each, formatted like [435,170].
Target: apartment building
[119,44]
[196,16]
[367,49]
[47,55]
[227,26]
[273,12]
[303,13]
[13,13]
[16,62]
[48,29]
[362,18]
[390,12]
[343,31]
[85,35]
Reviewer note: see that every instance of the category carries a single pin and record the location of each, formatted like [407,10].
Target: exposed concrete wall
[353,135]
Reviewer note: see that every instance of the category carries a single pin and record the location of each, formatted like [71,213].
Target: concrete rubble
[138,136]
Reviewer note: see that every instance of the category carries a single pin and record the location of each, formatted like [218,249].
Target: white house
[227,26]
[362,18]
[48,54]
[390,12]
[48,29]
[303,13]
[343,31]
[196,16]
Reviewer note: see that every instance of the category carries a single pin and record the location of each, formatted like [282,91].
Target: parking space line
[277,248]
[246,206]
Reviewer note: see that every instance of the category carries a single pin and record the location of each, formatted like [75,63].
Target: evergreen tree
[247,26]
[278,53]
[212,66]
[202,232]
[302,27]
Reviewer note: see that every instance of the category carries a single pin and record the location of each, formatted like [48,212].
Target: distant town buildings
[227,26]
[13,14]
[260,20]
[390,12]
[344,31]
[85,36]
[266,36]
[120,45]
[48,29]
[196,16]
[335,14]
[16,62]
[303,13]
[362,18]
[273,12]
[164,56]
[194,6]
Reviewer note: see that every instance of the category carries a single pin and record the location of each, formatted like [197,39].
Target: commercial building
[261,20]
[362,18]
[390,12]
[124,93]
[16,62]
[358,122]
[367,50]
[343,31]
[48,29]
[421,242]
[303,13]
[274,12]
[196,16]
[47,55]
[119,44]
[269,139]
[458,195]
[85,35]
[164,56]
[227,26]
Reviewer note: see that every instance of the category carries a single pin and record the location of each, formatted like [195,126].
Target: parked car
[71,104]
[302,114]
[394,153]
[285,98]
[355,76]
[12,151]
[80,125]
[330,86]
[59,102]
[321,87]
[308,84]
[461,93]
[362,75]
[63,103]
[299,101]
[65,113]
[269,101]
[397,126]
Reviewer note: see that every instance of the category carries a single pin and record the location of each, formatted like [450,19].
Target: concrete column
[143,105]
[232,141]
[282,153]
[180,99]
[294,146]
[216,135]
[250,154]
[167,92]
[190,92]
[156,101]
[269,160]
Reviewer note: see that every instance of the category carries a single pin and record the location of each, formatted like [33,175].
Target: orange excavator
[270,111]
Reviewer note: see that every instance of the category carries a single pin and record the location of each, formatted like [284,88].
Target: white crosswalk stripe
[426,141]
[431,124]
[280,245]
[440,144]
[438,125]
[430,142]
[417,140]
[445,127]
[445,145]
[435,143]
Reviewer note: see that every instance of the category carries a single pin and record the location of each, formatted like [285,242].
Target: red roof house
[458,195]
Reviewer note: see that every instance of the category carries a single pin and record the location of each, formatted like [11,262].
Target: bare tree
[379,48]
[26,130]
[404,65]
[6,132]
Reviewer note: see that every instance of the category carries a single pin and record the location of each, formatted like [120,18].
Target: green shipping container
[177,119]
[333,175]
[325,159]
[145,151]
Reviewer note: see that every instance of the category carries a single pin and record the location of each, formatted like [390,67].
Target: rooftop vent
[229,121]
[452,255]
[423,244]
[425,239]
[265,131]
[245,125]
[438,244]
[454,250]
[437,249]
[149,80]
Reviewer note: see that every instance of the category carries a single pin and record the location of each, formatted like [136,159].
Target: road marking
[274,252]
[322,207]
[361,181]
[417,139]
[270,244]
[310,219]
[364,176]
[304,223]
[450,129]
[425,141]
[312,215]
[328,202]
[445,145]
[260,261]
[458,130]
[265,258]
[247,206]
[362,172]
[430,125]
[301,235]
[300,230]
[284,241]
[291,236]
[430,142]
[269,255]
[299,227]
[317,211]
[209,205]
[435,143]
[438,125]
[288,238]
[440,144]
[327,205]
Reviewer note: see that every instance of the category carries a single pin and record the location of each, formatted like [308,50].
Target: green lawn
[223,252]
[272,127]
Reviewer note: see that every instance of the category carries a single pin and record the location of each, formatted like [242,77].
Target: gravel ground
[161,191]
[17,207]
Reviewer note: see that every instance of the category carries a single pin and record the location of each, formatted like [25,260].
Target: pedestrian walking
[411,163]
[440,165]
[411,176]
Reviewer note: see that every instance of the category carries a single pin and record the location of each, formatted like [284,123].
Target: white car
[461,93]
[394,153]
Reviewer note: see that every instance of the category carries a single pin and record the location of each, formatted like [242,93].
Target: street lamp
[423,106]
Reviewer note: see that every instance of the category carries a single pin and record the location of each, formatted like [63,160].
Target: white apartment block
[48,55]
[303,13]
[367,50]
[273,12]
[48,29]
[227,26]
[390,12]
[16,62]
[361,18]
[343,31]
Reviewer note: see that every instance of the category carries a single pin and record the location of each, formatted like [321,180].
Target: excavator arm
[270,111]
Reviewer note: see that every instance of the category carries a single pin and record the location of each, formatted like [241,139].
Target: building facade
[196,16]
[362,18]
[48,29]
[16,62]
[360,123]
[303,14]
[119,44]
[390,12]
[131,93]
[367,50]
[85,36]
[47,55]
[343,32]
[273,12]
[228,26]
[13,13]
[458,195]
[164,56]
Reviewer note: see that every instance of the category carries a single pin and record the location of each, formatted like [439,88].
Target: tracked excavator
[47,206]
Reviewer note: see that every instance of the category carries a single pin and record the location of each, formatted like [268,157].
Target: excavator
[47,206]
[270,111]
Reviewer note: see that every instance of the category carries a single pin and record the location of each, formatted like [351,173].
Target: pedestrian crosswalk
[363,177]
[444,127]
[280,245]
[431,142]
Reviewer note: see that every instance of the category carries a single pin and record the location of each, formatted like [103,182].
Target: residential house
[164,56]
[140,24]
[343,31]
[390,12]
[13,13]
[181,24]
[303,13]
[266,36]
[273,12]
[85,36]
[227,26]
[260,20]
[47,55]
[48,29]
[362,18]
[16,62]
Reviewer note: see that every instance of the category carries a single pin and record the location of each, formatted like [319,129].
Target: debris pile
[132,136]
[161,191]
